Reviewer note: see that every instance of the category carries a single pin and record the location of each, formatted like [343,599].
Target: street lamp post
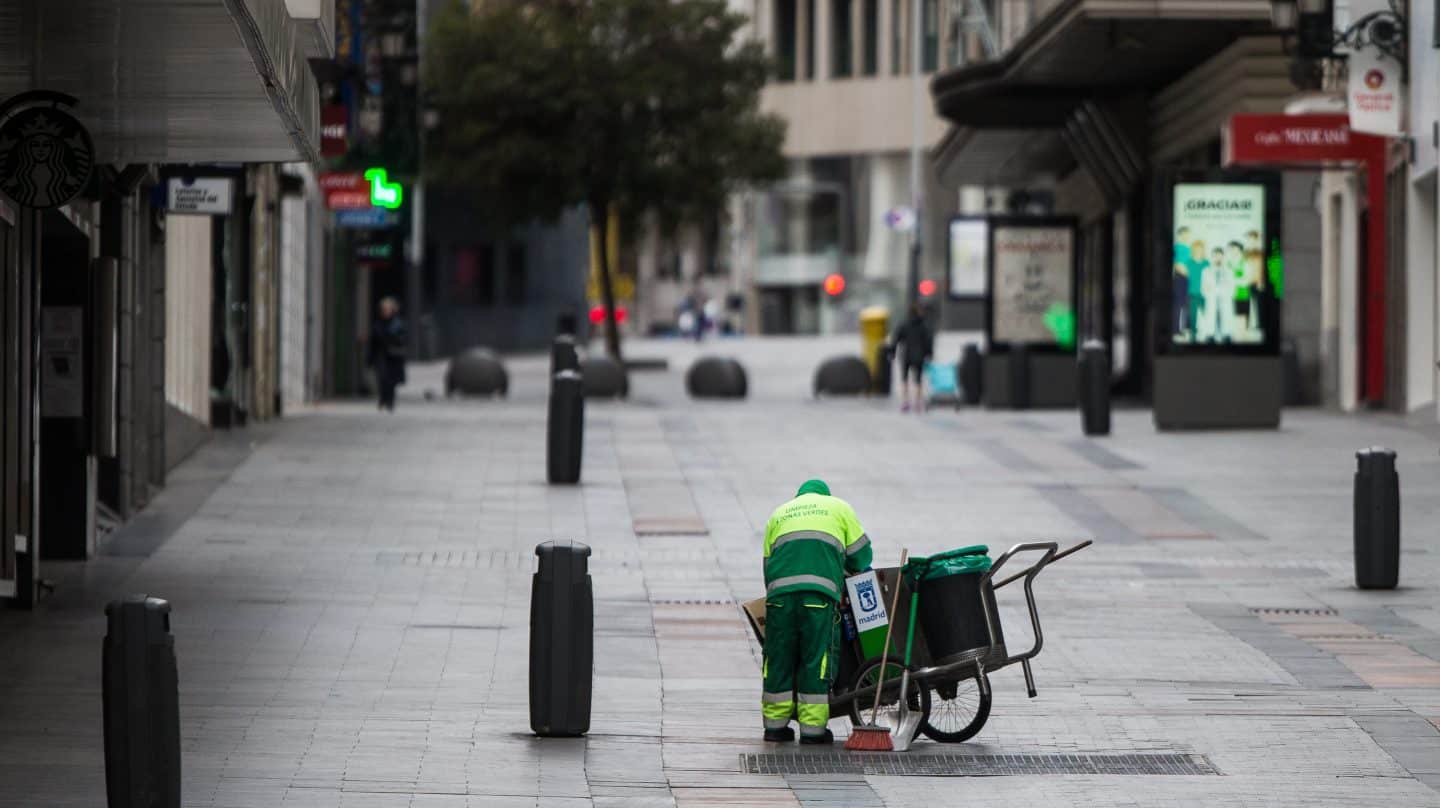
[917,10]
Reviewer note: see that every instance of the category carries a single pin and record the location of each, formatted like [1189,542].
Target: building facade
[121,301]
[846,89]
[1097,105]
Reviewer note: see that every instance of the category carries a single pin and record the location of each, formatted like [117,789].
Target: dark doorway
[67,468]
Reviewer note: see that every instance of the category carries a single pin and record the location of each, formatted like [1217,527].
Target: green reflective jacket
[811,543]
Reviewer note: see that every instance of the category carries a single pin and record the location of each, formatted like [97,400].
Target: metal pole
[917,11]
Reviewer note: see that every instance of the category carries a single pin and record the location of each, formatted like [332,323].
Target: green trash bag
[951,562]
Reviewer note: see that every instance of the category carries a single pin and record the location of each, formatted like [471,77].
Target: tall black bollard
[972,373]
[1377,519]
[562,354]
[1094,388]
[562,642]
[565,428]
[141,697]
[565,323]
[1020,377]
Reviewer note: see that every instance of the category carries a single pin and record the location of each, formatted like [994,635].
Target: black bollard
[140,692]
[1020,377]
[884,369]
[565,428]
[565,323]
[972,373]
[562,354]
[562,643]
[1377,519]
[1094,388]
[1294,381]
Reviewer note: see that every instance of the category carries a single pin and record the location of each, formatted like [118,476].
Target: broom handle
[889,627]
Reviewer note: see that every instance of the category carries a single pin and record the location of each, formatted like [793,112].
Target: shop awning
[1075,89]
[170,81]
[1083,49]
[1002,157]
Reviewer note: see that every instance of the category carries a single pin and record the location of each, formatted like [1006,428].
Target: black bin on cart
[952,606]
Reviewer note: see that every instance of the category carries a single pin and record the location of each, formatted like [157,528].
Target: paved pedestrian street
[351,594]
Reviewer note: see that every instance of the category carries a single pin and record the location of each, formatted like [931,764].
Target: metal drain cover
[897,764]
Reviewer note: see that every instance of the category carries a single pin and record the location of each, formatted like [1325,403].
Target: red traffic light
[927,287]
[597,314]
[834,284]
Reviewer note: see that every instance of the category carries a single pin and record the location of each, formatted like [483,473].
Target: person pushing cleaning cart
[811,543]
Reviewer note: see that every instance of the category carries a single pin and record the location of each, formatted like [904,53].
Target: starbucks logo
[46,156]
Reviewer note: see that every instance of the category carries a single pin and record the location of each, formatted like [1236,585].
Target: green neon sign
[383,193]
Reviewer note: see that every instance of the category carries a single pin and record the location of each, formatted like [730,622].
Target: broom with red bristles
[871,737]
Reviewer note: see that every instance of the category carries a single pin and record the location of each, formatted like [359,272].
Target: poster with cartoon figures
[1218,272]
[1034,285]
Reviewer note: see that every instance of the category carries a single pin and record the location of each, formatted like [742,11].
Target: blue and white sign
[199,196]
[868,601]
[865,602]
[371,219]
[901,219]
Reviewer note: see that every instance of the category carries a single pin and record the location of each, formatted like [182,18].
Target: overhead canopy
[1080,48]
[1002,157]
[1073,90]
[170,81]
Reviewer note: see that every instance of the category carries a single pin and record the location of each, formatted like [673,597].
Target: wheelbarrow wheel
[889,715]
[958,710]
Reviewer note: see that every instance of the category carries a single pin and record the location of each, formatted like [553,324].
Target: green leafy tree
[626,106]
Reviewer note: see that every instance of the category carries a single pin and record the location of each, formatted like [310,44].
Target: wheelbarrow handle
[1022,573]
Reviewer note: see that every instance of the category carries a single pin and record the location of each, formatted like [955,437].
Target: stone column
[883,36]
[824,46]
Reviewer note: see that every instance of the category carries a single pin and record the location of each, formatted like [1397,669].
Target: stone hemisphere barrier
[603,377]
[476,372]
[842,376]
[716,377]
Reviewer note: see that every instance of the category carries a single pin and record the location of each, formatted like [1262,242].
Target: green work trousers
[801,632]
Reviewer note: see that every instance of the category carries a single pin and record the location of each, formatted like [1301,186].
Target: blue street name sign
[372,219]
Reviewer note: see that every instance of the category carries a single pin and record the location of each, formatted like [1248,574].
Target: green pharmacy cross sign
[383,193]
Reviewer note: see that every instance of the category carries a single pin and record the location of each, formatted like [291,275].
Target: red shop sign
[1310,140]
[334,130]
[1326,141]
[345,190]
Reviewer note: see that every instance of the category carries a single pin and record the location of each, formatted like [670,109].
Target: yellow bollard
[874,328]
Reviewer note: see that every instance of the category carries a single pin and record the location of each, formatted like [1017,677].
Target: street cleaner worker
[811,543]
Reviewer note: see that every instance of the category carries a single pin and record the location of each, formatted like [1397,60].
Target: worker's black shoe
[782,735]
[827,738]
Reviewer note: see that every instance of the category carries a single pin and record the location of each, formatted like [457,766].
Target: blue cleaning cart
[944,384]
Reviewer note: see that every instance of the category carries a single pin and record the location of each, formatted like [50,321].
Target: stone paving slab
[351,603]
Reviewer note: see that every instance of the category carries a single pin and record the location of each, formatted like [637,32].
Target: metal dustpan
[906,722]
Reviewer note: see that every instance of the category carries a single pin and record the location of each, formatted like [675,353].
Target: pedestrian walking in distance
[387,351]
[811,543]
[915,344]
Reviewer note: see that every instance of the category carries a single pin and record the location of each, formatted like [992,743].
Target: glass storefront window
[842,40]
[870,25]
[785,39]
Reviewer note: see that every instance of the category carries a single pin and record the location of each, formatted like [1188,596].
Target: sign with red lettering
[1325,141]
[1373,94]
[334,130]
[345,190]
[1032,282]
[1308,140]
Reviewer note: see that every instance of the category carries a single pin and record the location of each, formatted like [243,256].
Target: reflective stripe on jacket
[811,543]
